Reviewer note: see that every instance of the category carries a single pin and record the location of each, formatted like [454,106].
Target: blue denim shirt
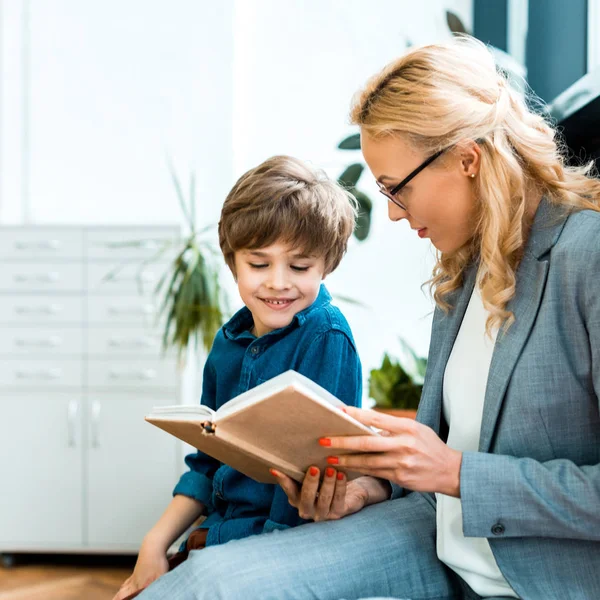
[317,343]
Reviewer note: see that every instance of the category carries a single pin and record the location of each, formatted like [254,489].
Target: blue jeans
[385,550]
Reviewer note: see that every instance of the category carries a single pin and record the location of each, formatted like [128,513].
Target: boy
[283,228]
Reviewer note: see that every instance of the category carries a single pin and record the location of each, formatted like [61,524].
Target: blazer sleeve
[505,496]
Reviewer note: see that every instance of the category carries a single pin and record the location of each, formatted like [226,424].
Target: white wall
[297,66]
[104,88]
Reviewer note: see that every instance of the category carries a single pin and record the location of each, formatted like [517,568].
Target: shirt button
[498,529]
[219,495]
[254,350]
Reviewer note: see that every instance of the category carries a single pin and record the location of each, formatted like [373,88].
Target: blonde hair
[445,95]
[284,200]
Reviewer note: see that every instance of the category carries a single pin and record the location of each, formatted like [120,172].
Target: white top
[465,381]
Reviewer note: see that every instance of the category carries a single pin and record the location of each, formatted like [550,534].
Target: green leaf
[363,220]
[349,178]
[352,142]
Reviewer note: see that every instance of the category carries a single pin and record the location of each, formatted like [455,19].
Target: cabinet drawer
[41,310]
[41,341]
[131,242]
[124,342]
[46,373]
[45,243]
[41,277]
[130,277]
[138,374]
[133,310]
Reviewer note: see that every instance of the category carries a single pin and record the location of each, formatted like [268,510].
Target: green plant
[398,385]
[349,180]
[193,302]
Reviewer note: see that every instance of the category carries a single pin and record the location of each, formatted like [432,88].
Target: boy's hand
[150,565]
[334,499]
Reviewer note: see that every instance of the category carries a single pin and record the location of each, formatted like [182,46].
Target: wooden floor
[64,577]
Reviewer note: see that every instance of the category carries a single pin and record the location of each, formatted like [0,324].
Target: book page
[273,386]
[184,412]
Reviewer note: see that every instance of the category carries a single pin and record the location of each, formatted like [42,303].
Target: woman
[495,491]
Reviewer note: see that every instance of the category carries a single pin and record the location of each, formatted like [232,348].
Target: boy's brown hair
[284,200]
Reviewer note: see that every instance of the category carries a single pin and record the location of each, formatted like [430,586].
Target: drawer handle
[147,309]
[142,375]
[131,343]
[51,277]
[43,245]
[51,309]
[72,410]
[45,374]
[96,407]
[144,277]
[51,342]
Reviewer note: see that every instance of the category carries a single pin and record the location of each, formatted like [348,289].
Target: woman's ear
[470,159]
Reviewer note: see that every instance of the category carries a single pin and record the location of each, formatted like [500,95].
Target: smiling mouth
[278,303]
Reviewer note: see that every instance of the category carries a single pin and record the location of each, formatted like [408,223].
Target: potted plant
[396,386]
[192,302]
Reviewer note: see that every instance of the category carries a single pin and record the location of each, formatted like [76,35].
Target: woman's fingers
[288,485]
[379,420]
[338,504]
[308,494]
[326,493]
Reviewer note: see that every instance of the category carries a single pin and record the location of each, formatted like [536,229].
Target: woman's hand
[335,498]
[407,453]
[151,564]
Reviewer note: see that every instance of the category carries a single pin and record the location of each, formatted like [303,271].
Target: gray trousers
[386,550]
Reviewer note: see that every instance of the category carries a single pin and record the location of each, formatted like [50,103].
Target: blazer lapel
[443,334]
[531,281]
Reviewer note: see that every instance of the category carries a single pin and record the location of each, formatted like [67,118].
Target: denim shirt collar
[238,327]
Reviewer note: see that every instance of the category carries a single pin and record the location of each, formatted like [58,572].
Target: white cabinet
[41,471]
[81,363]
[130,469]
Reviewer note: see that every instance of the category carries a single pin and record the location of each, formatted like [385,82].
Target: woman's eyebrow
[383,178]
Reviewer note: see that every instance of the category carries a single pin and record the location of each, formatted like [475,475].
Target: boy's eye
[258,266]
[301,269]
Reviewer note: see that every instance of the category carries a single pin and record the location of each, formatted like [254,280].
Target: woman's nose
[395,213]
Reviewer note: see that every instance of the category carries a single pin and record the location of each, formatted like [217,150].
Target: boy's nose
[278,281]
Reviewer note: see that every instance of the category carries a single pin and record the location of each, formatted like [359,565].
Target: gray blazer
[533,489]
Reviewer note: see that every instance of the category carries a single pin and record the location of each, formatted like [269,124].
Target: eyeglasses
[391,194]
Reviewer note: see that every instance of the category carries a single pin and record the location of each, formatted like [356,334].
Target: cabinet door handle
[96,406]
[72,410]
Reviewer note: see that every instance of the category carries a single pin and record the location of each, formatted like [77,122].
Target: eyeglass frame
[390,194]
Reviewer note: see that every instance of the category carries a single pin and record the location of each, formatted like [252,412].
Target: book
[276,424]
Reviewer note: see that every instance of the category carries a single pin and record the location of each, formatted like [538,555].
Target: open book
[276,425]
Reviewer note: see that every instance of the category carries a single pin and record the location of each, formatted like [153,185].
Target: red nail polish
[313,471]
[273,472]
[333,460]
[340,476]
[325,442]
[329,472]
